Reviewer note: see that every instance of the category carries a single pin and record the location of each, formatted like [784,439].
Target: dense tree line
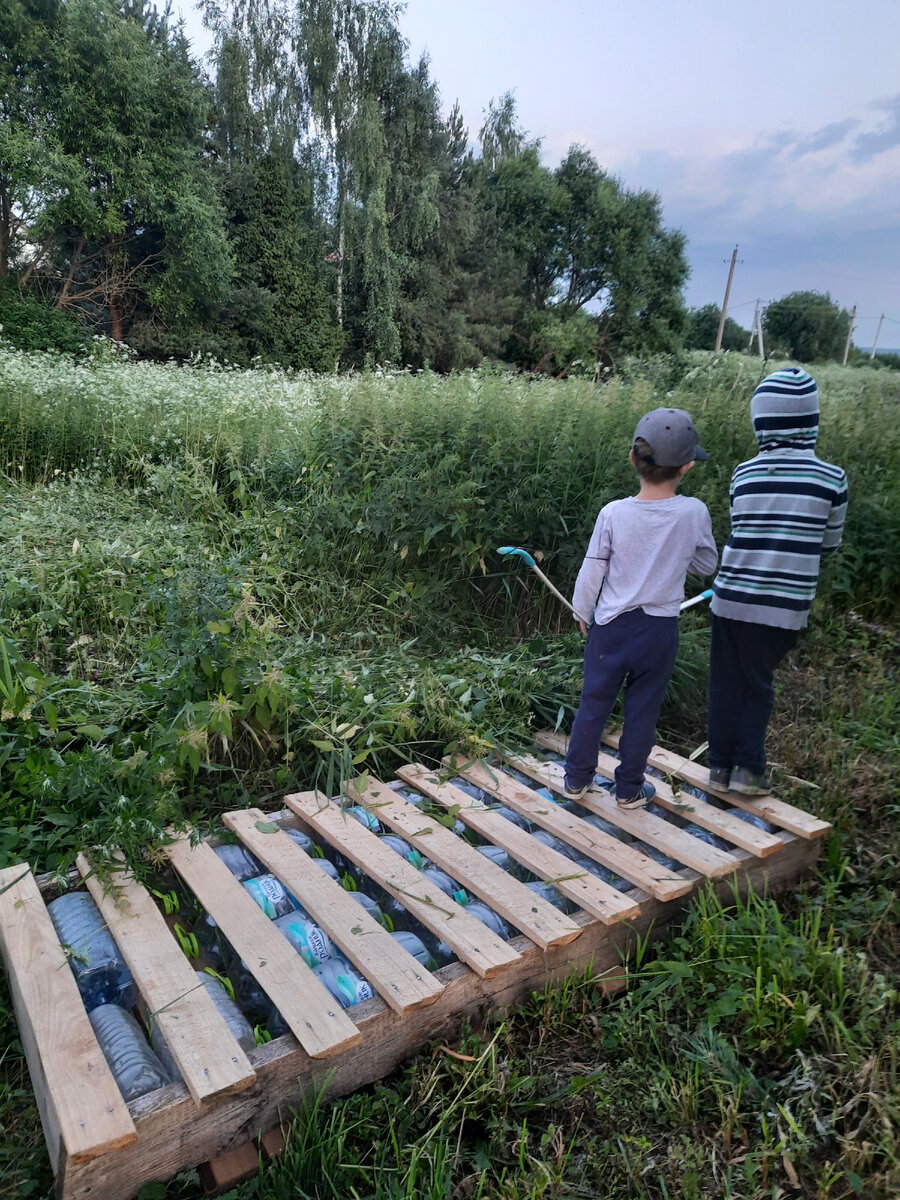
[308,202]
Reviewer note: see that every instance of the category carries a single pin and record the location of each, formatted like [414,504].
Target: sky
[773,126]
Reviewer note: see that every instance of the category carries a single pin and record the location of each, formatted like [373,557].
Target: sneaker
[573,793]
[720,777]
[748,784]
[644,796]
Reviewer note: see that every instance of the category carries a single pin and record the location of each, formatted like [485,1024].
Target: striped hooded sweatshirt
[787,510]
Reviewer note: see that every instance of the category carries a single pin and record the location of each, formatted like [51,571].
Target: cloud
[885,137]
[829,135]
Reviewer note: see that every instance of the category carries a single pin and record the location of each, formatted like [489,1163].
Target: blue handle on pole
[523,554]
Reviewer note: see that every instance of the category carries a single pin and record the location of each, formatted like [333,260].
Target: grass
[219,586]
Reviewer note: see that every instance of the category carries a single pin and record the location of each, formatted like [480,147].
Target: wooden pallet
[104,1149]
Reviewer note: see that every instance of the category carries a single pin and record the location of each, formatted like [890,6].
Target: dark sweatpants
[742,660]
[638,651]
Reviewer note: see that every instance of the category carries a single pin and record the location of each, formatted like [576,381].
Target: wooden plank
[81,1107]
[663,835]
[594,895]
[625,861]
[175,1135]
[204,1048]
[545,925]
[311,1013]
[785,816]
[393,972]
[471,941]
[721,822]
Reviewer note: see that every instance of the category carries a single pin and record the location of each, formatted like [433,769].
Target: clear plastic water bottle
[470,789]
[329,869]
[310,941]
[552,895]
[358,813]
[416,947]
[135,1068]
[488,917]
[272,896]
[234,1019]
[496,854]
[511,815]
[95,959]
[399,846]
[447,885]
[304,842]
[240,862]
[369,905]
[343,981]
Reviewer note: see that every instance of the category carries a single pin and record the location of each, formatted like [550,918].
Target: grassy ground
[190,626]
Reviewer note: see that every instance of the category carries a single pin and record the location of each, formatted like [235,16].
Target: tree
[139,228]
[703,330]
[808,326]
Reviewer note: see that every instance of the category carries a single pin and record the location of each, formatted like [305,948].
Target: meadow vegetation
[219,585]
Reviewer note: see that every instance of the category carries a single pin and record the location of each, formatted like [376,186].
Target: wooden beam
[663,835]
[205,1050]
[82,1110]
[311,1013]
[721,822]
[776,812]
[394,973]
[625,861]
[530,914]
[594,895]
[472,942]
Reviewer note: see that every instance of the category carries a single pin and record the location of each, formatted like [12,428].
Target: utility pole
[877,335]
[756,328]
[725,302]
[849,335]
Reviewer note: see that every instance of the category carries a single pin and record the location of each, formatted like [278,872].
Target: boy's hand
[583,628]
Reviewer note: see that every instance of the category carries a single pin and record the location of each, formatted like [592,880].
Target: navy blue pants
[638,651]
[742,661]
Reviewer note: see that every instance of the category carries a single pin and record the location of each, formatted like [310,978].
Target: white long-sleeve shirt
[639,554]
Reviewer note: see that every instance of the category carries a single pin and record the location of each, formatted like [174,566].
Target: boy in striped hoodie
[787,510]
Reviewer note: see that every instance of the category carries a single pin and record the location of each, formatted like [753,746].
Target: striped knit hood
[785,411]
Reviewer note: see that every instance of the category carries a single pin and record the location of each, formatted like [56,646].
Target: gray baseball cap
[671,436]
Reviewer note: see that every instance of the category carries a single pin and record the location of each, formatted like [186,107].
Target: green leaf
[218,627]
[94,732]
[267,827]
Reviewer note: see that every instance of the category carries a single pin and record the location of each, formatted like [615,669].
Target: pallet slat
[663,835]
[471,941]
[204,1048]
[721,822]
[314,1017]
[545,925]
[81,1107]
[401,981]
[625,861]
[594,895]
[785,816]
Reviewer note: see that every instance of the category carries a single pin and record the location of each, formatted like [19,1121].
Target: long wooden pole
[849,335]
[725,302]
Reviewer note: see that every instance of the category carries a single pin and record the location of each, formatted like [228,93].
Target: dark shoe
[748,784]
[573,793]
[720,777]
[644,796]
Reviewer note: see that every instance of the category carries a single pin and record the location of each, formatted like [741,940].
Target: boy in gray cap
[787,510]
[631,583]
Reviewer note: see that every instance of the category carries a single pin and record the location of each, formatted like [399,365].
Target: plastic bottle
[272,896]
[212,942]
[552,895]
[402,848]
[496,854]
[511,815]
[329,868]
[97,964]
[358,813]
[488,917]
[135,1068]
[310,941]
[369,905]
[345,984]
[416,947]
[304,842]
[470,789]
[447,885]
[234,1019]
[240,862]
